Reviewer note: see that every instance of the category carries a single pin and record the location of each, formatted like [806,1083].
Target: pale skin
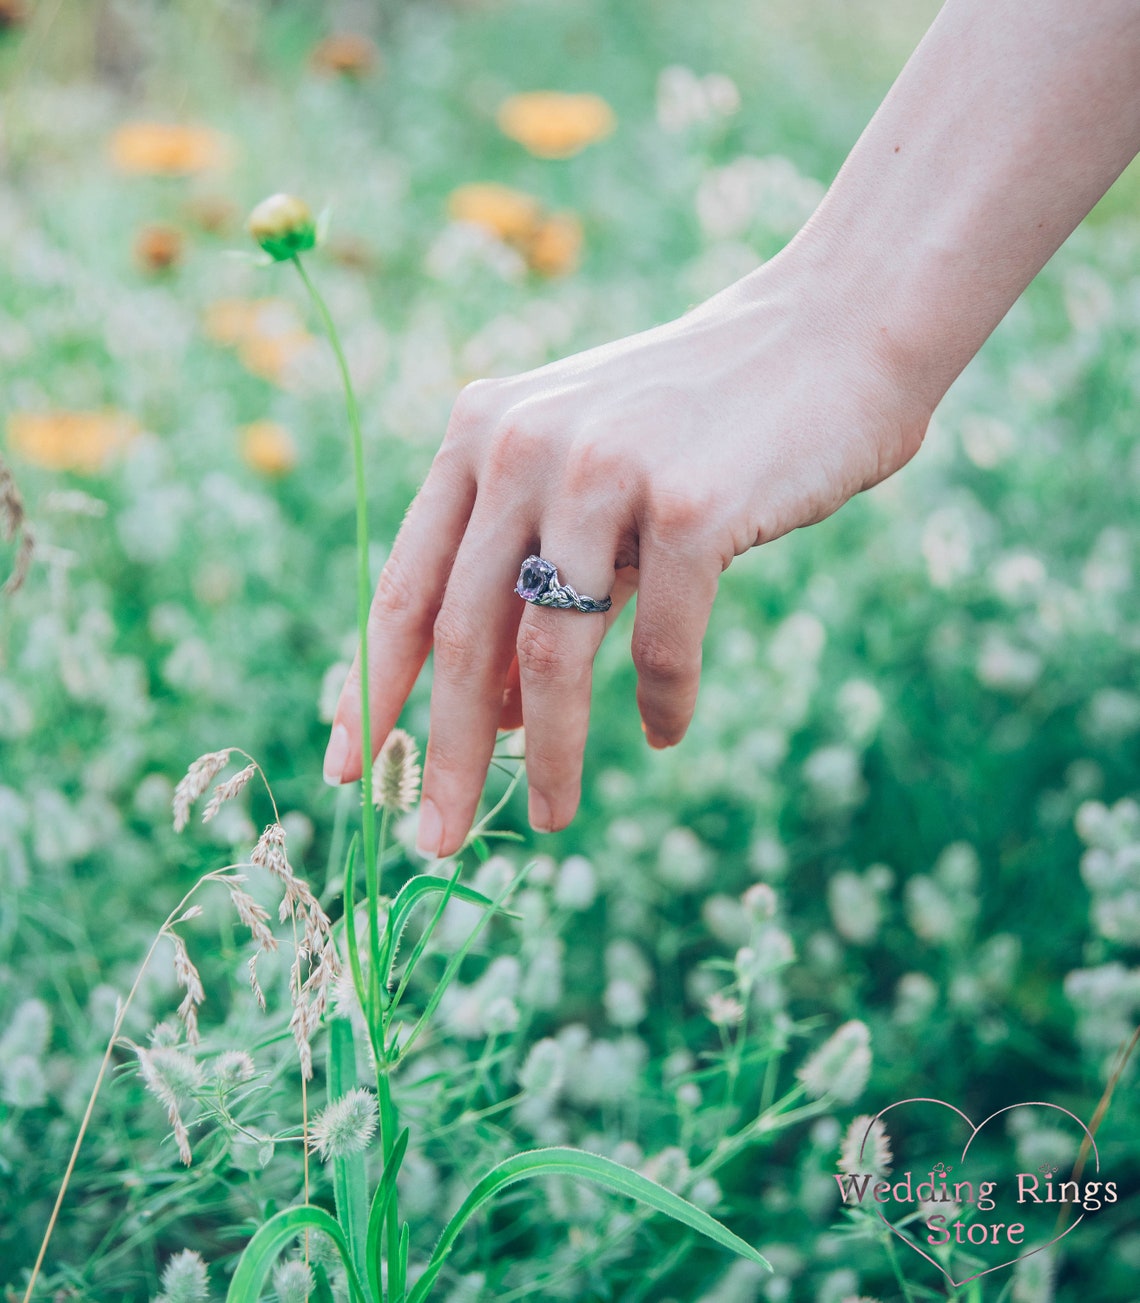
[650,463]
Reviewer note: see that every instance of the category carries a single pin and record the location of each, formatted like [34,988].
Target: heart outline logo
[974,1130]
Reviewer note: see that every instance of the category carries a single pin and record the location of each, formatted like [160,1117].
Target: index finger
[407,599]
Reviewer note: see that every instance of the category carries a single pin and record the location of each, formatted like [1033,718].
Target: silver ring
[538,584]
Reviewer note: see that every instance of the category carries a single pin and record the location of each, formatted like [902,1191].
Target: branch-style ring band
[538,583]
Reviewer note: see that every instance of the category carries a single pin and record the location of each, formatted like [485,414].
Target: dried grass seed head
[194,783]
[227,791]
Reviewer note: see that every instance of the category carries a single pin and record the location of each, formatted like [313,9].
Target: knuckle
[591,465]
[395,597]
[454,644]
[538,651]
[515,446]
[681,509]
[470,408]
[659,659]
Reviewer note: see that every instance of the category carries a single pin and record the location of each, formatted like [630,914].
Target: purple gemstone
[533,578]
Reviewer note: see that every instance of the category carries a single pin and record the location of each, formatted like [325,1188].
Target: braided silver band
[538,584]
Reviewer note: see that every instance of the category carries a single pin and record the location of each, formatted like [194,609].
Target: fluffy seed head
[184,1279]
[232,1067]
[842,1064]
[293,1282]
[866,1147]
[396,776]
[345,1126]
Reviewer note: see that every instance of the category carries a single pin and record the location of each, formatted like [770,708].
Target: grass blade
[458,958]
[407,898]
[349,1181]
[279,1231]
[380,1201]
[587,1167]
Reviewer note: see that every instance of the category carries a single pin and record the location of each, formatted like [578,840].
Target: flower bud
[283,226]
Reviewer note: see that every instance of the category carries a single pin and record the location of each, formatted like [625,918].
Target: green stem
[372,999]
[892,1256]
[363,599]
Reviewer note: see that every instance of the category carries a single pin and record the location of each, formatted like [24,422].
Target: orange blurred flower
[229,321]
[166,149]
[551,243]
[269,448]
[273,357]
[512,215]
[268,334]
[347,53]
[71,441]
[556,245]
[554,124]
[158,247]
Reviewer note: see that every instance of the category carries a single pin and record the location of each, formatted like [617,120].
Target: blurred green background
[918,721]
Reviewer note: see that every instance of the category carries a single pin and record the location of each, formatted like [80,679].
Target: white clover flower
[1111,715]
[577,886]
[669,1168]
[948,546]
[726,919]
[624,1003]
[842,1064]
[689,1096]
[987,441]
[724,1010]
[835,775]
[1033,1278]
[544,1069]
[760,902]
[1018,577]
[28,1032]
[860,706]
[500,1016]
[683,861]
[625,962]
[958,867]
[22,1082]
[345,1126]
[929,910]
[1005,667]
[856,912]
[541,986]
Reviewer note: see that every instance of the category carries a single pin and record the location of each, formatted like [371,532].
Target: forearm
[1008,123]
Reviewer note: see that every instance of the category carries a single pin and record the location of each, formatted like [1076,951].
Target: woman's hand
[648,464]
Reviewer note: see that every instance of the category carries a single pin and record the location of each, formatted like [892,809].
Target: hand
[648,463]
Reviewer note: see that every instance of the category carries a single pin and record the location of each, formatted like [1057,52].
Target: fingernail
[336,755]
[655,740]
[538,810]
[429,834]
